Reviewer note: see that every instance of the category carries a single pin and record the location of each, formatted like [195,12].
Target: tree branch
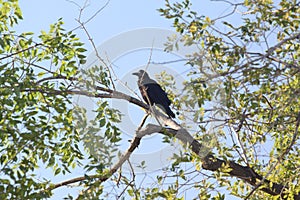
[282,42]
[209,162]
[21,51]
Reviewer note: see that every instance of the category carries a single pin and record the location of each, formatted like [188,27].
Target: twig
[282,42]
[143,88]
[97,53]
[235,6]
[93,16]
[279,159]
[130,183]
[170,62]
[21,51]
[82,25]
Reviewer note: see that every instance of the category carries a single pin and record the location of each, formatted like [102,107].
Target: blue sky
[116,19]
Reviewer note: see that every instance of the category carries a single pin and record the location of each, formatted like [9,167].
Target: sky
[127,33]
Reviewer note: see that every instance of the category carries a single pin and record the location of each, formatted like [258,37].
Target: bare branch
[97,53]
[235,6]
[82,9]
[82,24]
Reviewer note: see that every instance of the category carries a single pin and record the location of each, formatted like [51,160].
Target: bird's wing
[156,94]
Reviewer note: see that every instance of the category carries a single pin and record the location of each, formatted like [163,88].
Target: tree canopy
[249,66]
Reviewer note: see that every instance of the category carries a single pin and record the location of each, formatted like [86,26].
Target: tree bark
[211,163]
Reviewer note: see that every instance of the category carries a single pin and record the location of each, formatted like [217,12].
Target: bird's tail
[167,110]
[170,112]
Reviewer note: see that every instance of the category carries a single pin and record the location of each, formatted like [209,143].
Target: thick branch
[110,94]
[209,162]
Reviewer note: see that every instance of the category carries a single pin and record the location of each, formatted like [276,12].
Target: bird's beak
[135,73]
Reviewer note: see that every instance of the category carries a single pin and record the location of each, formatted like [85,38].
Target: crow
[152,93]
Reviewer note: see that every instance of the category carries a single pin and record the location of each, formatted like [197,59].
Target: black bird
[152,93]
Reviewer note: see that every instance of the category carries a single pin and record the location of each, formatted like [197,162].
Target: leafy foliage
[257,61]
[250,67]
[37,111]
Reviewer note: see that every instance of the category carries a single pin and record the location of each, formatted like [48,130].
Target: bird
[152,92]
